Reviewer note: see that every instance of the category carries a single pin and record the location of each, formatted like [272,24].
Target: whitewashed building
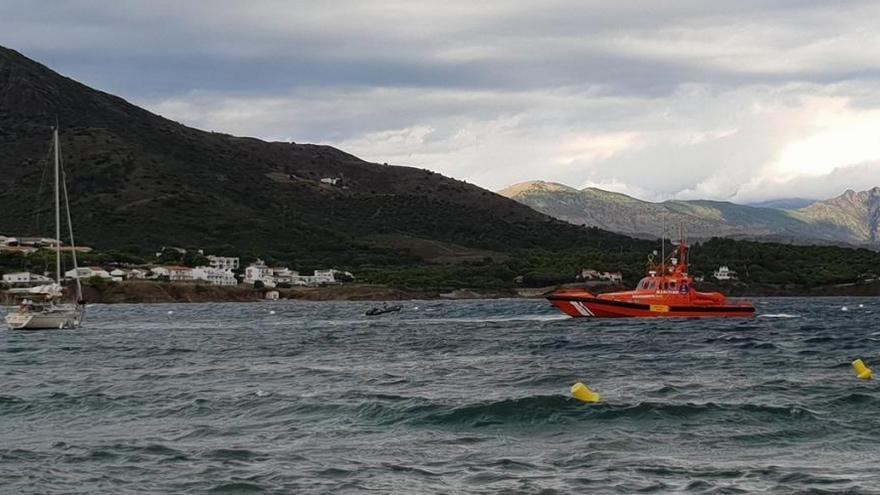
[284,276]
[724,273]
[259,272]
[214,276]
[24,278]
[175,273]
[37,241]
[329,276]
[224,262]
[159,271]
[320,277]
[180,273]
[590,274]
[87,272]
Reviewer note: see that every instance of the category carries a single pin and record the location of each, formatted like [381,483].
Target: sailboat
[43,307]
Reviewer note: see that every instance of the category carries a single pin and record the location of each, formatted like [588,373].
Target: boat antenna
[663,246]
[682,252]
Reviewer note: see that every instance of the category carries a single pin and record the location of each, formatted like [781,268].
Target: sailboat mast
[57,214]
[79,293]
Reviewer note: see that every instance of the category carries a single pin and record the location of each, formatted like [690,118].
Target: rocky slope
[856,212]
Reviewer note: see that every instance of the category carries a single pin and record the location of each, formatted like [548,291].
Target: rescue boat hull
[594,307]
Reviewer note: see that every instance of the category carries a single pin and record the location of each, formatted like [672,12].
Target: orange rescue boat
[666,291]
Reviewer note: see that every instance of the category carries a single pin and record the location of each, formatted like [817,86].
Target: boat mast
[79,295]
[57,214]
[682,244]
[663,247]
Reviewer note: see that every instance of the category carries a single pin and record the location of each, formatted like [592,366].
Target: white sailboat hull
[56,319]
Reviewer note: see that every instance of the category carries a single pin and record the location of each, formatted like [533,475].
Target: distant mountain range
[851,218]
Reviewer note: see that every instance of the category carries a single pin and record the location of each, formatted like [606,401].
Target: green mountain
[138,181]
[852,218]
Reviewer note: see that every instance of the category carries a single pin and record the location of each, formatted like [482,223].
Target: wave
[535,409]
[542,410]
[237,487]
[856,399]
[233,455]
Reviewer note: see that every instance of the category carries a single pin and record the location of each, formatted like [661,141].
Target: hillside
[138,181]
[849,219]
[856,212]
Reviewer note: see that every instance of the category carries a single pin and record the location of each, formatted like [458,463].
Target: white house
[88,272]
[320,277]
[223,262]
[330,180]
[138,274]
[329,276]
[724,273]
[24,278]
[590,274]
[214,276]
[37,241]
[303,280]
[284,276]
[159,271]
[118,275]
[259,272]
[179,273]
[175,273]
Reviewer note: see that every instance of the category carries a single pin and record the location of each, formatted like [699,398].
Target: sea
[443,397]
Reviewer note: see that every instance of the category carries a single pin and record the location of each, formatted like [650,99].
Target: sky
[744,101]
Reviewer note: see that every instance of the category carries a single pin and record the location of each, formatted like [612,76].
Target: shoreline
[148,292]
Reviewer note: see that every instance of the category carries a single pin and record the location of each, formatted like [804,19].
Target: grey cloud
[664,98]
[178,46]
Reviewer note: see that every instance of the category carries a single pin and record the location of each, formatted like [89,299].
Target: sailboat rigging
[42,307]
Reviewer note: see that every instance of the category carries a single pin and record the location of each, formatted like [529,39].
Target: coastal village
[218,270]
[224,270]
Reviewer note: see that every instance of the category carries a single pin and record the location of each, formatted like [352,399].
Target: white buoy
[170,312]
[272,312]
[861,305]
[844,308]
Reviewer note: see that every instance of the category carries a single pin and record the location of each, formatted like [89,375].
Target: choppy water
[450,397]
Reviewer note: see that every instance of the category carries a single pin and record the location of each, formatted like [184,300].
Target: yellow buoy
[583,393]
[862,371]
